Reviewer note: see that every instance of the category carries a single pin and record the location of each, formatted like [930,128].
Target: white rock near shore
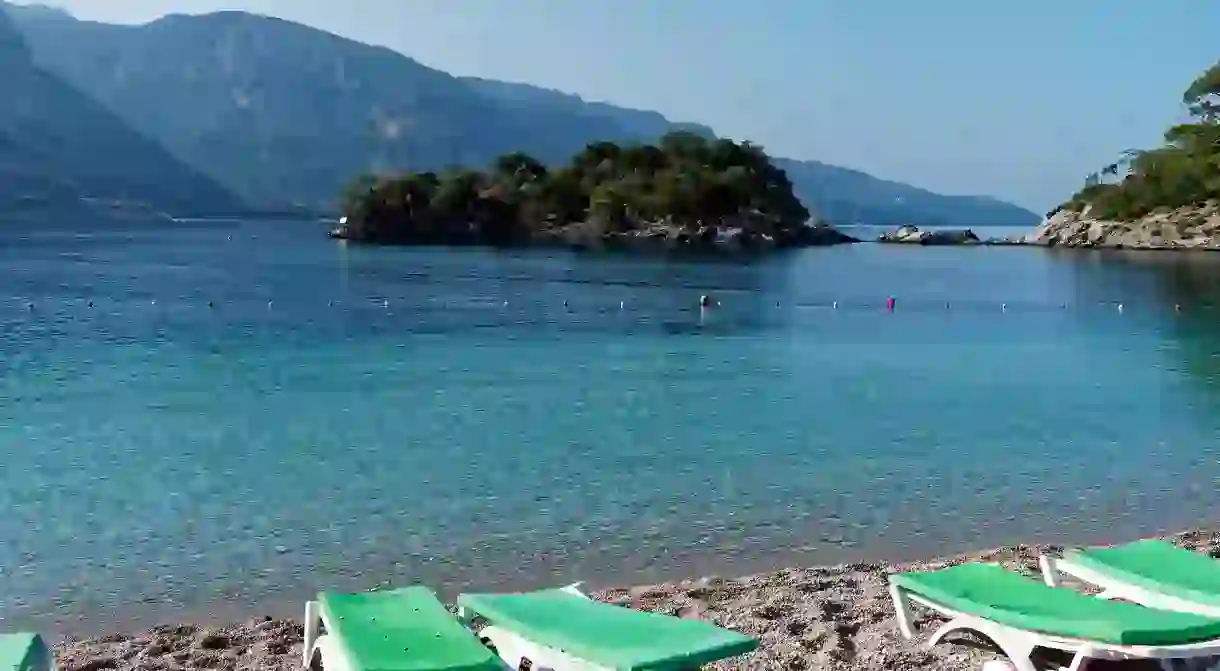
[1194,227]
[911,235]
[834,618]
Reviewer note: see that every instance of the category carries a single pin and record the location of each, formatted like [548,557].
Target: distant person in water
[705,301]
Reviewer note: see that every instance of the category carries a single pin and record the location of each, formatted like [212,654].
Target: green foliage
[687,182]
[1184,171]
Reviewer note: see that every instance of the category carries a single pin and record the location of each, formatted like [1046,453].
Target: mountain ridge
[63,152]
[375,109]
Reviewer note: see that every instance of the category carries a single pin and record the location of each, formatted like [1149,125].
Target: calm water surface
[344,417]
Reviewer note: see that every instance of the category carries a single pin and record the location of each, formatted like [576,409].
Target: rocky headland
[833,618]
[1167,197]
[1190,227]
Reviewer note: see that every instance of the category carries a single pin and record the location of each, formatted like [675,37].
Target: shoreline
[821,617]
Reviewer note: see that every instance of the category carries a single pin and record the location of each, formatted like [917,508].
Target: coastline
[1191,228]
[654,238]
[828,617]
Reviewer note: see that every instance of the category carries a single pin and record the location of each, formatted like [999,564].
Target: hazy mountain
[61,149]
[281,113]
[850,196]
[839,194]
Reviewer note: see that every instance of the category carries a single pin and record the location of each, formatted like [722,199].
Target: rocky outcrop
[665,237]
[1194,227]
[670,238]
[911,235]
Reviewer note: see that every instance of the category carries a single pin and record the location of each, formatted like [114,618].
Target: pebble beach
[836,617]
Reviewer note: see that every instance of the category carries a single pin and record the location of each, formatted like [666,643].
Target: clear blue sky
[1014,99]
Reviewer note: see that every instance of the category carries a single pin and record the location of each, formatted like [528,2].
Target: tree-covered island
[685,193]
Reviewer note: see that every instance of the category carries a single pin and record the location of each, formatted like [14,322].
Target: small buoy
[889,303]
[153,302]
[946,305]
[1177,308]
[270,303]
[385,303]
[331,304]
[705,301]
[30,306]
[565,304]
[505,303]
[1120,307]
[835,305]
[622,305]
[90,303]
[211,305]
[1004,306]
[776,303]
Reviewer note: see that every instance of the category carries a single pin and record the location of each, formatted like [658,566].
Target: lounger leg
[311,632]
[1014,646]
[1081,659]
[906,622]
[1047,566]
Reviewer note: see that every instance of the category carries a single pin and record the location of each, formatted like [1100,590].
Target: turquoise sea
[220,418]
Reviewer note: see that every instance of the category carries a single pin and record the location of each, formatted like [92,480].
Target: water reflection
[1183,289]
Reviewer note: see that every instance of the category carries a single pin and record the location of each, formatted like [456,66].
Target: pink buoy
[889,303]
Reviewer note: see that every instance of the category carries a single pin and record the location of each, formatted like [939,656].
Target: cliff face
[58,147]
[1195,227]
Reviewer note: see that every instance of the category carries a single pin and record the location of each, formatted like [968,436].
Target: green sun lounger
[564,629]
[24,652]
[1151,572]
[391,630]
[1019,614]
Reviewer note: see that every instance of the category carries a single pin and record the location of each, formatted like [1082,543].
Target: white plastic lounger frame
[1018,644]
[321,649]
[1115,588]
[513,649]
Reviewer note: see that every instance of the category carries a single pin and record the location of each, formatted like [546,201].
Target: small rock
[214,641]
[773,611]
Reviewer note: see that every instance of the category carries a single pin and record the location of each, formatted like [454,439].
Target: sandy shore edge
[831,617]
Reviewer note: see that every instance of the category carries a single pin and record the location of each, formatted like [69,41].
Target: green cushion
[403,630]
[1158,566]
[24,652]
[612,636]
[1002,596]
